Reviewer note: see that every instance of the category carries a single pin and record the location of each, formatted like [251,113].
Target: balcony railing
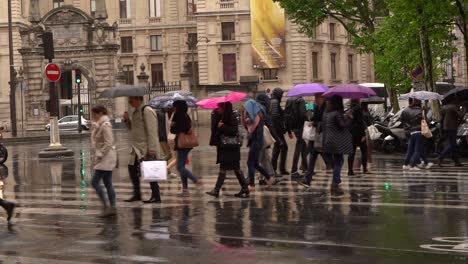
[125,21]
[226,4]
[154,20]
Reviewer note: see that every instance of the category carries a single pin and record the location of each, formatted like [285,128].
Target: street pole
[12,74]
[80,129]
[194,81]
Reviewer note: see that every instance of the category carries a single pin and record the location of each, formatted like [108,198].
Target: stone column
[143,79]
[120,103]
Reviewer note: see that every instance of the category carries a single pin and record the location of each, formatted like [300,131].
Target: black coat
[181,123]
[337,138]
[215,138]
[228,157]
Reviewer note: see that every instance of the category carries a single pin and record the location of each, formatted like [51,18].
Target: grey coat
[337,137]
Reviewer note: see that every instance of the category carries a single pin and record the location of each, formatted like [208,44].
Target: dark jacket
[411,118]
[450,117]
[318,114]
[162,129]
[299,104]
[358,128]
[277,111]
[337,138]
[181,123]
[215,138]
[264,100]
[228,156]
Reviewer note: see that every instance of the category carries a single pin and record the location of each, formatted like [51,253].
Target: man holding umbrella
[143,125]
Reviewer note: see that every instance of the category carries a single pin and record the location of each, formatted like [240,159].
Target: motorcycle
[3,149]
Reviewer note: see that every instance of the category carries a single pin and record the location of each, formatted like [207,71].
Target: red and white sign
[52,72]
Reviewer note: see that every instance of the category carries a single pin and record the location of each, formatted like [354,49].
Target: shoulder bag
[187,140]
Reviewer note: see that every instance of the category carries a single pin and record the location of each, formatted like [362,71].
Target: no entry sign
[52,72]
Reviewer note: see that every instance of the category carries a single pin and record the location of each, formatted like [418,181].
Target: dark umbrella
[124,91]
[460,93]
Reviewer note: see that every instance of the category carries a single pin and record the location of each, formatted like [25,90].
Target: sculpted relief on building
[81,43]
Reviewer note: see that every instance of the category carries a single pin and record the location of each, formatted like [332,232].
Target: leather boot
[244,193]
[219,184]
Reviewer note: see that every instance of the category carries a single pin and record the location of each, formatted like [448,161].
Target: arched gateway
[81,42]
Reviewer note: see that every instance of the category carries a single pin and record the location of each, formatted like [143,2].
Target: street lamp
[12,74]
[21,80]
[192,43]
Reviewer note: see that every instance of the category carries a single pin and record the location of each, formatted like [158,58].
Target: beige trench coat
[102,139]
[144,133]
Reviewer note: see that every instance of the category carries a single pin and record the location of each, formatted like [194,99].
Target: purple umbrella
[307,89]
[352,91]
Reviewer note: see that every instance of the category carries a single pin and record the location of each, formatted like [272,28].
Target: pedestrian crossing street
[71,212]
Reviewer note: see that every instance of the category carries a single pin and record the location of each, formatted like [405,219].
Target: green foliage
[398,47]
[357,16]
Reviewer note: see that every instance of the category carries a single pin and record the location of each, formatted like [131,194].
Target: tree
[358,17]
[461,20]
[417,33]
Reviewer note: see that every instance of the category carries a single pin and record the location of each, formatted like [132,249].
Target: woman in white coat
[105,159]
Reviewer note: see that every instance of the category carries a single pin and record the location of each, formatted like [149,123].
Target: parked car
[71,123]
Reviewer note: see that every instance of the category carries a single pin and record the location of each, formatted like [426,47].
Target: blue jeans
[338,161]
[182,156]
[313,156]
[415,150]
[106,176]
[451,147]
[253,163]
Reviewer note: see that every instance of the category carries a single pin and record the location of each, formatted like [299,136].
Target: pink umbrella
[212,103]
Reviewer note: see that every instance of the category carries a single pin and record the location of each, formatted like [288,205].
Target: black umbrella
[460,93]
[124,91]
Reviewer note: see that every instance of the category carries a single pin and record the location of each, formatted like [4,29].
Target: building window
[92,7]
[315,65]
[192,41]
[155,8]
[351,67]
[229,68]
[128,71]
[270,74]
[228,31]
[125,7]
[332,31]
[156,43]
[191,7]
[333,66]
[126,44]
[157,74]
[58,3]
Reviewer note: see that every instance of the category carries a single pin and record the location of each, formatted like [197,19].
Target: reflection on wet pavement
[390,216]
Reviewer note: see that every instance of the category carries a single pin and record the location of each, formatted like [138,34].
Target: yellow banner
[268,34]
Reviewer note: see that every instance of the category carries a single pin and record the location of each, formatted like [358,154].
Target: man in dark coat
[280,150]
[450,119]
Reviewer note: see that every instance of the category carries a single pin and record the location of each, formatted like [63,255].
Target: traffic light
[77,76]
[47,44]
[81,109]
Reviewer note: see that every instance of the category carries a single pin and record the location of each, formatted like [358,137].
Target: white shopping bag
[308,134]
[152,171]
[374,132]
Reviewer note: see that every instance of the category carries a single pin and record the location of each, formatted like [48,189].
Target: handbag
[374,133]
[268,139]
[187,140]
[318,143]
[425,131]
[235,141]
[152,171]
[308,133]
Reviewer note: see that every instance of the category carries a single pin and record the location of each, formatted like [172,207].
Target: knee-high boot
[219,184]
[244,193]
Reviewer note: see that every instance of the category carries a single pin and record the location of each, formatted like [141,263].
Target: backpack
[291,114]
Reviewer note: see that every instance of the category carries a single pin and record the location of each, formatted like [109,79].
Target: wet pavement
[390,216]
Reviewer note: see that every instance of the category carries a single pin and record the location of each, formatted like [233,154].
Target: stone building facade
[171,39]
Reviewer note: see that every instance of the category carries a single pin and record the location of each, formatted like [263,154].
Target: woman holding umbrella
[181,123]
[337,139]
[228,156]
[253,120]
